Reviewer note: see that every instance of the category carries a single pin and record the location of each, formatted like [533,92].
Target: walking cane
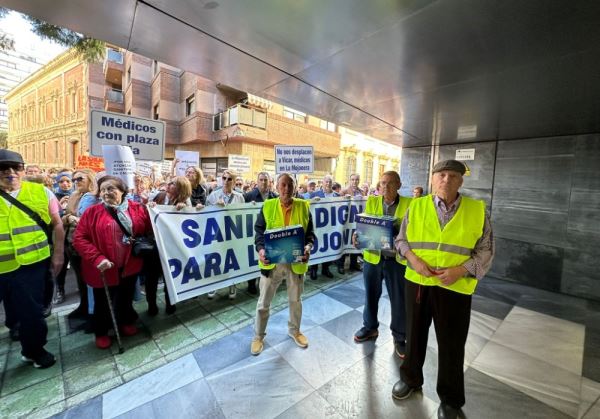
[112,313]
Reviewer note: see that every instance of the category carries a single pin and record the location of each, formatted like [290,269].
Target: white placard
[146,137]
[165,167]
[465,154]
[144,168]
[119,162]
[239,164]
[294,159]
[186,159]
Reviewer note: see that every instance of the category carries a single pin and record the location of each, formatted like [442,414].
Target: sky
[26,41]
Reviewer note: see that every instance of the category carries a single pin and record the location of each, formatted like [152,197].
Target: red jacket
[99,237]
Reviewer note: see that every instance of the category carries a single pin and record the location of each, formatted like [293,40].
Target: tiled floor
[530,353]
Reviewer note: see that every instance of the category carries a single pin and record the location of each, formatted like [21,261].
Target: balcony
[113,100]
[113,67]
[240,114]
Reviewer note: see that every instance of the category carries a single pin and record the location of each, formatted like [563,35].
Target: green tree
[90,49]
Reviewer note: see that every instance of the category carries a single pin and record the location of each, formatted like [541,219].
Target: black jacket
[254,195]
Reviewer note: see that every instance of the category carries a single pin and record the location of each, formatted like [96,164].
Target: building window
[190,105]
[350,167]
[329,126]
[381,170]
[43,153]
[294,114]
[369,171]
[56,151]
[73,102]
[155,114]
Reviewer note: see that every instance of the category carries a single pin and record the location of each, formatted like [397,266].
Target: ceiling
[410,72]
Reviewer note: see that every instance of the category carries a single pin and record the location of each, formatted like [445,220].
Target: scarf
[122,214]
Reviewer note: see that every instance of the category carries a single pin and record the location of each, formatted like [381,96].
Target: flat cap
[7,156]
[312,181]
[453,165]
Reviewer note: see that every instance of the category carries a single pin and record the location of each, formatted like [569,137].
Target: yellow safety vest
[375,207]
[445,248]
[22,240]
[274,219]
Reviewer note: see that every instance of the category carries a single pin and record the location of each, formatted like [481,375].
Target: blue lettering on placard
[237,227]
[342,214]
[231,262]
[212,264]
[191,271]
[321,217]
[188,228]
[252,261]
[175,266]
[212,232]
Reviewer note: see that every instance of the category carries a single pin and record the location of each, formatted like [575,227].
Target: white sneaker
[211,294]
[232,292]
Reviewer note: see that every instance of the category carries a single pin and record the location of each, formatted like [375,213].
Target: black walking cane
[112,313]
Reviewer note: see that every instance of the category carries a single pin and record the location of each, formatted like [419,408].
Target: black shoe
[170,309]
[400,348]
[47,311]
[327,273]
[402,391]
[341,270]
[313,274]
[445,411]
[14,334]
[355,267]
[152,309]
[44,360]
[365,334]
[252,287]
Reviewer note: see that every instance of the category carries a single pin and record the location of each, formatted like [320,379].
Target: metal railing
[240,114]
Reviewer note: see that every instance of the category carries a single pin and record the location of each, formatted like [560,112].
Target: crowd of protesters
[100,214]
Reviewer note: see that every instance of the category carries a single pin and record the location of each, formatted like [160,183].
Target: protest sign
[239,164]
[144,168]
[146,137]
[201,251]
[90,162]
[119,162]
[294,159]
[186,159]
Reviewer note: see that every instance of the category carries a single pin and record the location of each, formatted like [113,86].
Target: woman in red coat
[106,249]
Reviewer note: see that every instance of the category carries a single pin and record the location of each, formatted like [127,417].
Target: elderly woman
[103,239]
[83,196]
[199,190]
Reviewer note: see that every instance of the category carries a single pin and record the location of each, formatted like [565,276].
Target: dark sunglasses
[78,179]
[17,167]
[227,178]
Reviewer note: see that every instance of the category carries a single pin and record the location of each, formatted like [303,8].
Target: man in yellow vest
[25,254]
[385,265]
[447,239]
[277,213]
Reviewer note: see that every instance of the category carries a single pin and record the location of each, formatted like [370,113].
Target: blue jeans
[23,291]
[393,273]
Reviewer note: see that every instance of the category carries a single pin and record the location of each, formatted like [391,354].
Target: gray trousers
[268,288]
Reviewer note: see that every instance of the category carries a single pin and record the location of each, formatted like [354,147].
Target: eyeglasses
[78,179]
[17,167]
[227,179]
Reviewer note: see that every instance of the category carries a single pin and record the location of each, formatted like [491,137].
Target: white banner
[210,249]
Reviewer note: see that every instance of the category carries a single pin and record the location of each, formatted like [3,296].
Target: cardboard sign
[90,162]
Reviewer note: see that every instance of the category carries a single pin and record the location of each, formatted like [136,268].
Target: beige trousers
[268,288]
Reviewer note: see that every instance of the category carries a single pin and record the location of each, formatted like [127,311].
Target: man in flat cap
[29,214]
[447,239]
